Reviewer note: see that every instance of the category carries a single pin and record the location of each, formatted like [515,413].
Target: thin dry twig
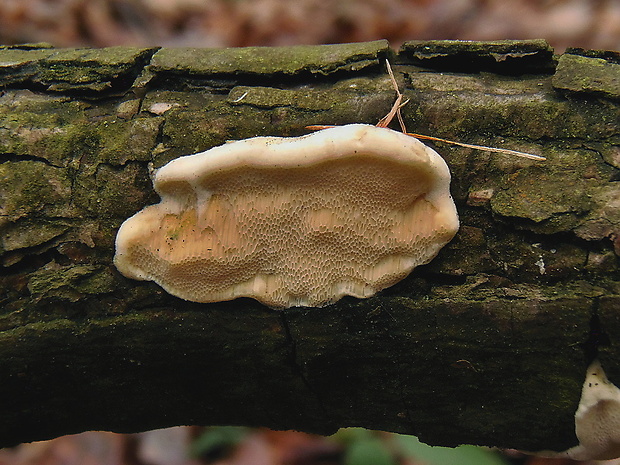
[395,111]
[531,156]
[398,104]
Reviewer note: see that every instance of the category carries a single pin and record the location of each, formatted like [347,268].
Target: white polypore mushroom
[299,221]
[597,420]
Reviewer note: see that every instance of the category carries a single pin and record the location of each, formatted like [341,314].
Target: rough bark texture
[488,344]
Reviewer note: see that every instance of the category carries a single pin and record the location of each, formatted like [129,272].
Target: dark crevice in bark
[294,362]
[597,337]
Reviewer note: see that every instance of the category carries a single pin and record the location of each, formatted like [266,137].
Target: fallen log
[487,344]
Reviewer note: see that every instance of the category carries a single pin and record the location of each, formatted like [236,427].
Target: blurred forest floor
[185,445]
[233,23]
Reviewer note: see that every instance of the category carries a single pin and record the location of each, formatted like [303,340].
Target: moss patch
[18,65]
[92,70]
[70,282]
[300,59]
[588,75]
[29,187]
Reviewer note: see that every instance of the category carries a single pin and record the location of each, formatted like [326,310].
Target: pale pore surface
[291,222]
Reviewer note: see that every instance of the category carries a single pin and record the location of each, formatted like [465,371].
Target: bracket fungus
[299,221]
[597,419]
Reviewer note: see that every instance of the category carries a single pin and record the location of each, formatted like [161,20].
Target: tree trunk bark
[487,344]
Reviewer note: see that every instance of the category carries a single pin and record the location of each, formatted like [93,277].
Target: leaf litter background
[232,23]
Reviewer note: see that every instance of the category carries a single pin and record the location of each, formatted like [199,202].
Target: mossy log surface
[487,344]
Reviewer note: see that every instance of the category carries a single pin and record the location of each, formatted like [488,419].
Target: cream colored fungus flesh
[299,221]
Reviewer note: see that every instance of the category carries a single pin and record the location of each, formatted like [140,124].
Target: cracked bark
[488,344]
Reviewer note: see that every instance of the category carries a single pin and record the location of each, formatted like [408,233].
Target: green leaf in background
[411,447]
[370,451]
[217,438]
